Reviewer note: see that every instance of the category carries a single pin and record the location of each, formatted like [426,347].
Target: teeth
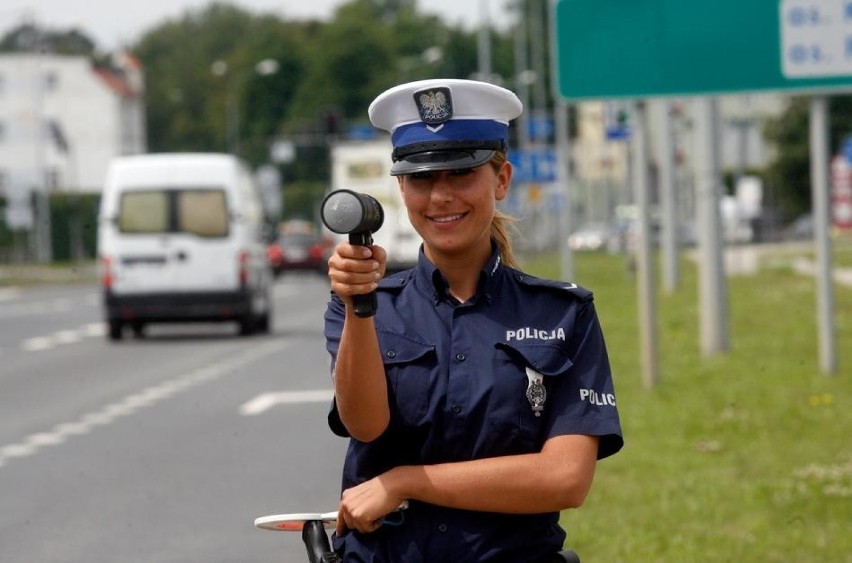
[446,219]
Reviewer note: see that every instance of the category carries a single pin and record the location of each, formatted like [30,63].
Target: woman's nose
[442,189]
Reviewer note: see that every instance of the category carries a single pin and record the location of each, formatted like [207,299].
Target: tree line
[201,83]
[200,76]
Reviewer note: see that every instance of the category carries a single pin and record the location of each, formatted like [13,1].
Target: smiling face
[452,209]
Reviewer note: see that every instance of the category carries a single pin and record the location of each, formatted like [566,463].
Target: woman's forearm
[557,478]
[360,387]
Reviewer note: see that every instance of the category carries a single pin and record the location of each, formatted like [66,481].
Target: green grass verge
[742,457]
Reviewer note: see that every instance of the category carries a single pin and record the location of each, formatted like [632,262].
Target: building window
[56,135]
[51,81]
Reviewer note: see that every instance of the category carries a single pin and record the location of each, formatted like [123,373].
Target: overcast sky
[113,23]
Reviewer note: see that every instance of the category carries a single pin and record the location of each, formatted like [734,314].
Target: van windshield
[200,212]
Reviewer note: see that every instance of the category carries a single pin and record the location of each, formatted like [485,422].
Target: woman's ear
[504,179]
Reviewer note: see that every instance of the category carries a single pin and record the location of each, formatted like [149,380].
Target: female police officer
[479,394]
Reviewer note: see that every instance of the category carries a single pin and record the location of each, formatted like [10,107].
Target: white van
[364,166]
[181,238]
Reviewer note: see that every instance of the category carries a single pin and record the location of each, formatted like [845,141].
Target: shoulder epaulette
[556,285]
[396,281]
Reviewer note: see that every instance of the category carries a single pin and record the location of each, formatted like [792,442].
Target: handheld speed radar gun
[358,215]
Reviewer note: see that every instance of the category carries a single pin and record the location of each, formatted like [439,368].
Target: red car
[299,251]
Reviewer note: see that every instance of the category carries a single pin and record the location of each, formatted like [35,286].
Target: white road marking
[46,439]
[16,450]
[67,336]
[37,343]
[266,401]
[130,404]
[94,329]
[62,337]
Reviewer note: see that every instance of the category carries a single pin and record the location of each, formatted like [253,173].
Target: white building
[62,120]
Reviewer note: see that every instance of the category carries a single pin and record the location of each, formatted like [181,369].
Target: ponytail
[501,223]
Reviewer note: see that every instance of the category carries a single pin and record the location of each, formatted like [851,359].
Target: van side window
[199,212]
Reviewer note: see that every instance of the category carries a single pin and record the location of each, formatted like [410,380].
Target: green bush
[74,222]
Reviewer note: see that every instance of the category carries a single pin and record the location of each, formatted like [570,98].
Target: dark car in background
[300,251]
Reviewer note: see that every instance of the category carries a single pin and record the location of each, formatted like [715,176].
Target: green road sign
[652,48]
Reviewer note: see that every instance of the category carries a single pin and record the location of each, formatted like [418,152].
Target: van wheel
[115,330]
[263,323]
[247,325]
[138,330]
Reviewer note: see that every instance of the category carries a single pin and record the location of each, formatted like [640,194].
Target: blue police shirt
[457,387]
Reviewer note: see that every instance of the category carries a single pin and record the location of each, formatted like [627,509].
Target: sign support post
[711,287]
[563,177]
[820,199]
[668,204]
[646,287]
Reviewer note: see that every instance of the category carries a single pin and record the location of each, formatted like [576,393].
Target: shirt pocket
[512,412]
[409,367]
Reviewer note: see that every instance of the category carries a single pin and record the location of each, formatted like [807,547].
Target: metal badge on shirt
[536,393]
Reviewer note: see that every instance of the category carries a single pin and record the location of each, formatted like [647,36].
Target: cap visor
[440,160]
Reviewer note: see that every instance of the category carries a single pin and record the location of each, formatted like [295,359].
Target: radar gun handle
[365,305]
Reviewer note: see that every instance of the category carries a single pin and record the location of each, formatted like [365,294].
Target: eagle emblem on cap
[435,105]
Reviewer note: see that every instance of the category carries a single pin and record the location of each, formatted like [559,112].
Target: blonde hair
[501,223]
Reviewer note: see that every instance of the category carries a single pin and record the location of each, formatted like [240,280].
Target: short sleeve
[584,397]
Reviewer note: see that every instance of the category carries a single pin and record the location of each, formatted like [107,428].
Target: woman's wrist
[403,482]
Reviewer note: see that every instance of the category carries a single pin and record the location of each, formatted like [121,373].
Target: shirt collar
[431,279]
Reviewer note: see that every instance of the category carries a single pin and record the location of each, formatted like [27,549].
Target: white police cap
[444,124]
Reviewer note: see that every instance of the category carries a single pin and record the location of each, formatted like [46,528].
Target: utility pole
[42,244]
[233,99]
[522,74]
[484,44]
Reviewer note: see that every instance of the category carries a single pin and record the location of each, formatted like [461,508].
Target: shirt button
[442,527]
[460,357]
[456,409]
[391,354]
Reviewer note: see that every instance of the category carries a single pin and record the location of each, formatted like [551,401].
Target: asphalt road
[164,448]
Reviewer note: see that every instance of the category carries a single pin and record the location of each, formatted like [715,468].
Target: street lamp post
[266,67]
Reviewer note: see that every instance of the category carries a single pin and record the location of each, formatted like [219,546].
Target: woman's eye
[461,171]
[421,175]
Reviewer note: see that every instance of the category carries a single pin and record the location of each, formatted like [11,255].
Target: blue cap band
[453,130]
